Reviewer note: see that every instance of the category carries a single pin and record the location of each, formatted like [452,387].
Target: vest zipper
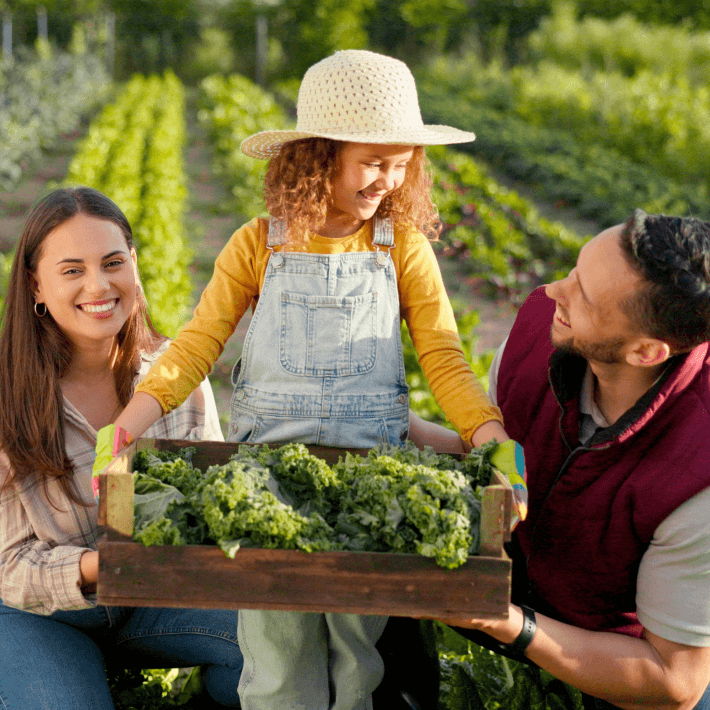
[560,473]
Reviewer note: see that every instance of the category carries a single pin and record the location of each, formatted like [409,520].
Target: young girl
[75,339]
[342,258]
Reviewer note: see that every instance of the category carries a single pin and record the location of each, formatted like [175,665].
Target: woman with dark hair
[76,338]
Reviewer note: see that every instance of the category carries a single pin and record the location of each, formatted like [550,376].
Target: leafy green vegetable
[470,672]
[173,468]
[241,502]
[162,515]
[390,505]
[303,478]
[151,499]
[396,499]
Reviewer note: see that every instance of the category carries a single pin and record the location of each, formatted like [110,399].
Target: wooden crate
[390,584]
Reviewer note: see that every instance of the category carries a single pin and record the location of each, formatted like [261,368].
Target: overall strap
[277,233]
[382,231]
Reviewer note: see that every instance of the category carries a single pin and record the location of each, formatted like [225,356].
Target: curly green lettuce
[395,499]
[242,504]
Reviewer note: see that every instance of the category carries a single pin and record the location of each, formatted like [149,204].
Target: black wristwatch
[518,647]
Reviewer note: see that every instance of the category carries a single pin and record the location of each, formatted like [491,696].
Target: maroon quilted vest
[593,509]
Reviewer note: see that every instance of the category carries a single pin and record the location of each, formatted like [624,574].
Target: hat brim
[268,143]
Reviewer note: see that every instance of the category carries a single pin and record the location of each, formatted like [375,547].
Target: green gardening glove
[509,459]
[109,441]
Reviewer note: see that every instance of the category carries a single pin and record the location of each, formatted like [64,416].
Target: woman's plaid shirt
[40,546]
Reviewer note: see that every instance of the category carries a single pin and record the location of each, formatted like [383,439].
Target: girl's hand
[140,413]
[490,430]
[509,459]
[441,439]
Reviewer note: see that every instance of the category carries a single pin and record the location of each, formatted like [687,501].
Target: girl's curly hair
[299,186]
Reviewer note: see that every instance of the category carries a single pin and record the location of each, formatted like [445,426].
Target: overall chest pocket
[328,336]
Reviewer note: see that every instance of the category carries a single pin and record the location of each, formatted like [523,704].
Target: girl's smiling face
[365,173]
[87,278]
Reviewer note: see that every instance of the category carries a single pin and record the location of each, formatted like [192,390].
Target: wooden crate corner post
[495,519]
[116,492]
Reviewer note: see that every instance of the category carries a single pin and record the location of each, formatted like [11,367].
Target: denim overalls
[322,360]
[322,364]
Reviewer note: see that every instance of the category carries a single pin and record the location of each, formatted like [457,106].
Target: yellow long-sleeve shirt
[237,281]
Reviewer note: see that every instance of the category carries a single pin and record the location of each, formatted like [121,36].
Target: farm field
[590,120]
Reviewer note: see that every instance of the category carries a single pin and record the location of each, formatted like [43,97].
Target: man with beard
[605,380]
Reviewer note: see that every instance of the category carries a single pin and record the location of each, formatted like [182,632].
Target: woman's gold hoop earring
[44,310]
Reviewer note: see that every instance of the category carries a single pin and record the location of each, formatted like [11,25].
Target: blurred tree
[300,32]
[415,29]
[323,27]
[695,13]
[61,17]
[153,35]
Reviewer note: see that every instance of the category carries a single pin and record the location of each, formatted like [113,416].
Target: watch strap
[524,638]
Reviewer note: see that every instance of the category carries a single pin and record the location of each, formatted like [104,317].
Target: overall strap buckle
[382,236]
[276,237]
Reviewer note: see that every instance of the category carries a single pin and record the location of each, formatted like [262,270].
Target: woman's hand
[89,570]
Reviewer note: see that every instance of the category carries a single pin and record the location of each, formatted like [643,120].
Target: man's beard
[607,351]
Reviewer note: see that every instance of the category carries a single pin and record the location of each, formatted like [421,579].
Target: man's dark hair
[672,254]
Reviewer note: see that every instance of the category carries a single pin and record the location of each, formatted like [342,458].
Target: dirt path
[210,224]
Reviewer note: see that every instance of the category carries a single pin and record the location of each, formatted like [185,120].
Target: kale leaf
[395,499]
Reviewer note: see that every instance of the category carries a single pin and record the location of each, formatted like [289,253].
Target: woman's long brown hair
[35,353]
[299,185]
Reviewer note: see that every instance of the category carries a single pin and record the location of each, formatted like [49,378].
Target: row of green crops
[42,95]
[623,44]
[232,108]
[659,120]
[600,183]
[501,236]
[133,153]
[590,129]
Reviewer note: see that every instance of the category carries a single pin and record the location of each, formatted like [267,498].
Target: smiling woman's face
[87,278]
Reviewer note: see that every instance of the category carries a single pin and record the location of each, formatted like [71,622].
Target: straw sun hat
[361,97]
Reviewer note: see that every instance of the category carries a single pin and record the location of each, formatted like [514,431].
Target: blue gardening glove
[509,459]
[109,441]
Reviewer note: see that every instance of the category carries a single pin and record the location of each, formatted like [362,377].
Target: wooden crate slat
[348,582]
[116,502]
